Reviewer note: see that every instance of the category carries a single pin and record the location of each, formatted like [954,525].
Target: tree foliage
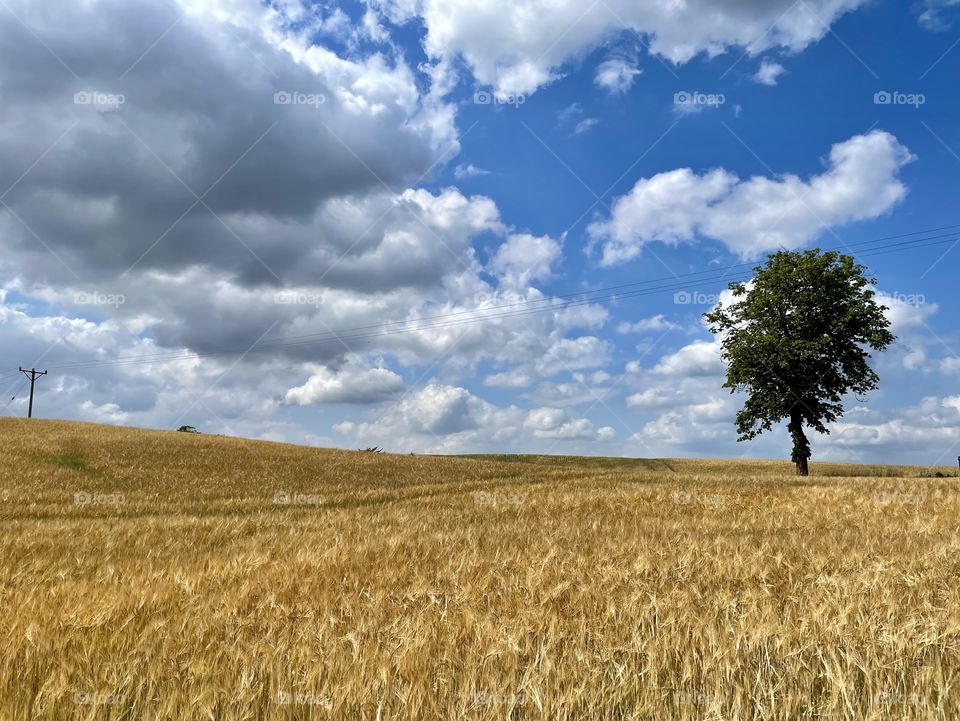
[797,340]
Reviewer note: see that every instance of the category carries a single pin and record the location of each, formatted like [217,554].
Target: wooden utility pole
[32,374]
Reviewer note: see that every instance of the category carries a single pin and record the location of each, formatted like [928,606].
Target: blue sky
[180,246]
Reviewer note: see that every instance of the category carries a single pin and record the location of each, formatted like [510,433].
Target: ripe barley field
[158,575]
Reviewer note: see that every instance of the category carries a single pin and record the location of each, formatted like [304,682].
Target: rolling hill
[163,575]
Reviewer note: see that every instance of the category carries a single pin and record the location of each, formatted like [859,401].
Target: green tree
[796,340]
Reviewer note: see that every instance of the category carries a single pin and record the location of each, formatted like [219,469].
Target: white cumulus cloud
[768,72]
[347,385]
[759,214]
[517,46]
[616,75]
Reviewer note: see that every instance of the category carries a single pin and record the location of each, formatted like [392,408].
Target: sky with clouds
[466,226]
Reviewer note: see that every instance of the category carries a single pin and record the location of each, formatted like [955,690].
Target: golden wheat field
[162,575]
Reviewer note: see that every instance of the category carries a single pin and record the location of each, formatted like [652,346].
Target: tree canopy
[796,339]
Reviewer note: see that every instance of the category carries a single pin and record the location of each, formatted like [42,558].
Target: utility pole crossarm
[32,374]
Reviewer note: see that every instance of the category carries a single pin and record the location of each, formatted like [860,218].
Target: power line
[343,336]
[16,389]
[382,330]
[520,308]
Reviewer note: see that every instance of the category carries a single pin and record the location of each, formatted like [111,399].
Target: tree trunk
[801,446]
[803,469]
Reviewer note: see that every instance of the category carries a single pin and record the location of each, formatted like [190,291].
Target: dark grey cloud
[197,116]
